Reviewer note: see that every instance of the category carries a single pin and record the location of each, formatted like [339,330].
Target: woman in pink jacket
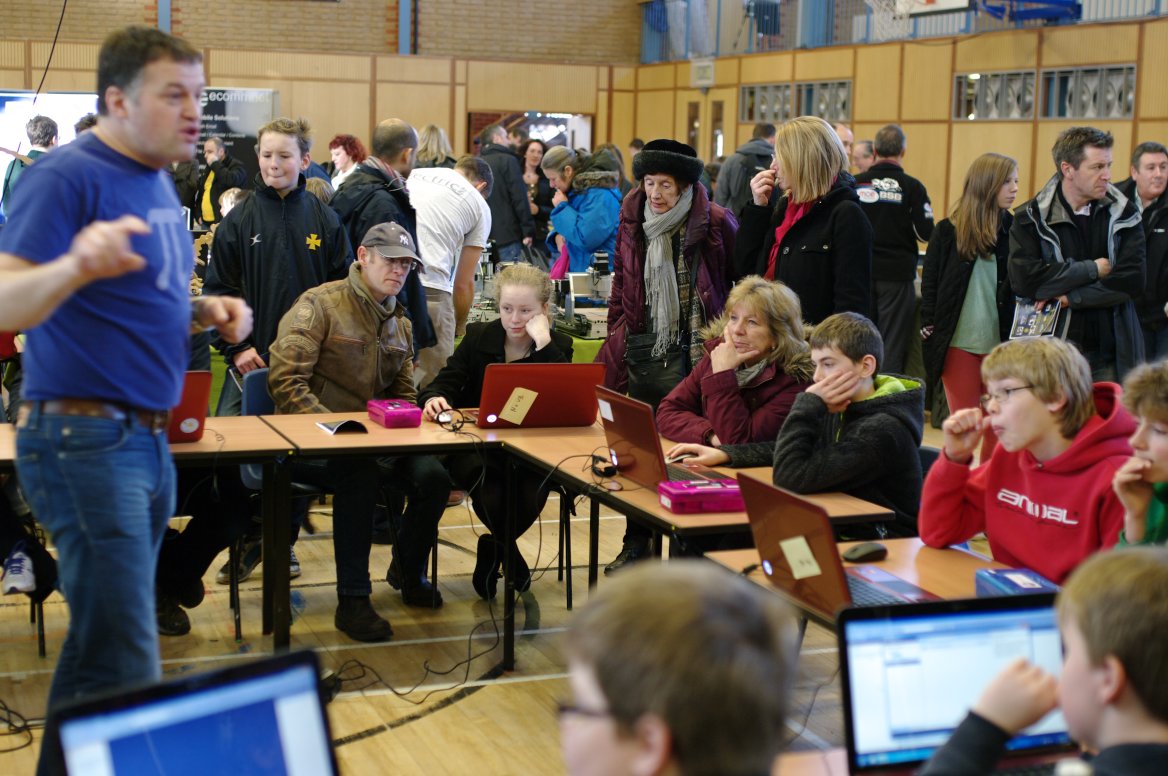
[757,361]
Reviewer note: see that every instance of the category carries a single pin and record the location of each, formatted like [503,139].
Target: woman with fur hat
[671,276]
[586,204]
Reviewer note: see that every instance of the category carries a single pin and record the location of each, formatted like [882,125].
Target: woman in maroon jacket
[757,362]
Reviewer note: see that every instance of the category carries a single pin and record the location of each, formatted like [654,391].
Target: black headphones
[451,420]
[602,467]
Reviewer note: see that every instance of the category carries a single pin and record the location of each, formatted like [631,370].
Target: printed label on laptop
[800,558]
[518,405]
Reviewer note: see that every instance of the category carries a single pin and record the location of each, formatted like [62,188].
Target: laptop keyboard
[1045,769]
[681,474]
[864,594]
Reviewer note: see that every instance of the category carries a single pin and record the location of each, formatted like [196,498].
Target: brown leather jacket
[337,348]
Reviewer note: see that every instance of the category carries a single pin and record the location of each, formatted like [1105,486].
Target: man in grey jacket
[1080,242]
[751,158]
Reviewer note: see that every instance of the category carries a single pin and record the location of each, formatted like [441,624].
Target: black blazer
[461,381]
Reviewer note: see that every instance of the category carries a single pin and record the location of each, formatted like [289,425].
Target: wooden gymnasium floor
[415,705]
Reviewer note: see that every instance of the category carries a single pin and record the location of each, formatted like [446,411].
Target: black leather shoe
[423,595]
[357,619]
[632,552]
[172,620]
[485,577]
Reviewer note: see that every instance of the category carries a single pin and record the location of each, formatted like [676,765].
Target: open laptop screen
[271,722]
[911,677]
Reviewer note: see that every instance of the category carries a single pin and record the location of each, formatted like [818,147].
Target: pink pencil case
[394,413]
[690,496]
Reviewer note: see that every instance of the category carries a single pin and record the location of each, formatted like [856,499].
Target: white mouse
[444,416]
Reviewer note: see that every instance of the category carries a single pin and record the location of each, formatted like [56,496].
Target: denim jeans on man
[511,252]
[104,490]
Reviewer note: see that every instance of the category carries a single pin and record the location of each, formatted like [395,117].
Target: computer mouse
[444,416]
[680,458]
[866,552]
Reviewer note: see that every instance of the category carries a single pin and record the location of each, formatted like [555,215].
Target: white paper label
[605,409]
[800,558]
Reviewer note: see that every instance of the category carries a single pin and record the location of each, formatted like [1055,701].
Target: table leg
[593,542]
[508,539]
[277,538]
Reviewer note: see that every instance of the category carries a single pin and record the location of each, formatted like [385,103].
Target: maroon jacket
[707,403]
[709,238]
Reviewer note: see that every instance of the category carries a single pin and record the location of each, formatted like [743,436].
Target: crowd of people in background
[772,307]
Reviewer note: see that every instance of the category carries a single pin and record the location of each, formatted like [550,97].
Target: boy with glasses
[1044,499]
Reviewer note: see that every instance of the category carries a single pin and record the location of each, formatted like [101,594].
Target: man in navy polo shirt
[95,263]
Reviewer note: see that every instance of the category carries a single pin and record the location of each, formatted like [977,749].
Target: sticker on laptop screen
[800,558]
[605,409]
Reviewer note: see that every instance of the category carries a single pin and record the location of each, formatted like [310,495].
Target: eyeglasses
[565,709]
[1000,397]
[404,263]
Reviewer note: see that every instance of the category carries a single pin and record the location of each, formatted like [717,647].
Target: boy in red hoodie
[1044,499]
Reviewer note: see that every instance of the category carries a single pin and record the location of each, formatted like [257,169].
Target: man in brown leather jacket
[341,344]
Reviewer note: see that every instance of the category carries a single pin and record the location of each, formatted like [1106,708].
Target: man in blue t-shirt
[94,264]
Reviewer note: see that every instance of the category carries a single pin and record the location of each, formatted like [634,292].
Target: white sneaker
[18,576]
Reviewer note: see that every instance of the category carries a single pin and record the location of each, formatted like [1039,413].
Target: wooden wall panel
[11,79]
[68,56]
[1088,45]
[827,64]
[767,68]
[332,109]
[681,75]
[600,124]
[289,65]
[972,139]
[1145,130]
[655,115]
[417,69]
[726,71]
[624,78]
[624,122]
[1152,88]
[12,54]
[876,87]
[928,148]
[457,133]
[656,77]
[1009,50]
[927,84]
[67,81]
[416,104]
[523,86]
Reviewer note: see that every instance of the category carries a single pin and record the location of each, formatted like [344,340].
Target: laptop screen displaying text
[912,680]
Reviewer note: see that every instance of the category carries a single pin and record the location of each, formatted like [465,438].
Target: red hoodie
[1043,516]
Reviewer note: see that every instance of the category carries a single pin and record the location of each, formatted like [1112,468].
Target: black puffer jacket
[826,257]
[511,219]
[1150,304]
[943,287]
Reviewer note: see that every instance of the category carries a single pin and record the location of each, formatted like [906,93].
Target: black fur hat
[668,157]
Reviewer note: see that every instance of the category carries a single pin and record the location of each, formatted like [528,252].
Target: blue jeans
[104,489]
[509,252]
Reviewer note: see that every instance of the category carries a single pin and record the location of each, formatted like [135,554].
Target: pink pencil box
[394,413]
[690,496]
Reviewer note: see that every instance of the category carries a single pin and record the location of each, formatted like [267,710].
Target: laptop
[262,717]
[538,395]
[190,416]
[800,557]
[634,445]
[909,674]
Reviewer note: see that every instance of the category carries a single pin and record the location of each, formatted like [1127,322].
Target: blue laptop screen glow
[914,679]
[268,725]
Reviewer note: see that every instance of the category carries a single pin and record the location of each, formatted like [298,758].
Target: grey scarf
[660,275]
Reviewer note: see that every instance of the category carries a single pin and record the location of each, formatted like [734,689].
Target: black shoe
[393,573]
[189,593]
[423,595]
[485,577]
[632,552]
[357,619]
[248,560]
[382,530]
[172,620]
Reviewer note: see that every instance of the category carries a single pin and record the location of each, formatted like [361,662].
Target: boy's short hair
[233,197]
[851,334]
[1116,599]
[127,52]
[1145,391]
[476,170]
[298,129]
[709,653]
[1052,368]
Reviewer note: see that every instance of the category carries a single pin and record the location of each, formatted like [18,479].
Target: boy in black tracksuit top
[898,206]
[269,250]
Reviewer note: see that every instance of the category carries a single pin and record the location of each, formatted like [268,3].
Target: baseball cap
[390,239]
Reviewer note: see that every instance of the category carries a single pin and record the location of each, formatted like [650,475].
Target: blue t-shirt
[121,339]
